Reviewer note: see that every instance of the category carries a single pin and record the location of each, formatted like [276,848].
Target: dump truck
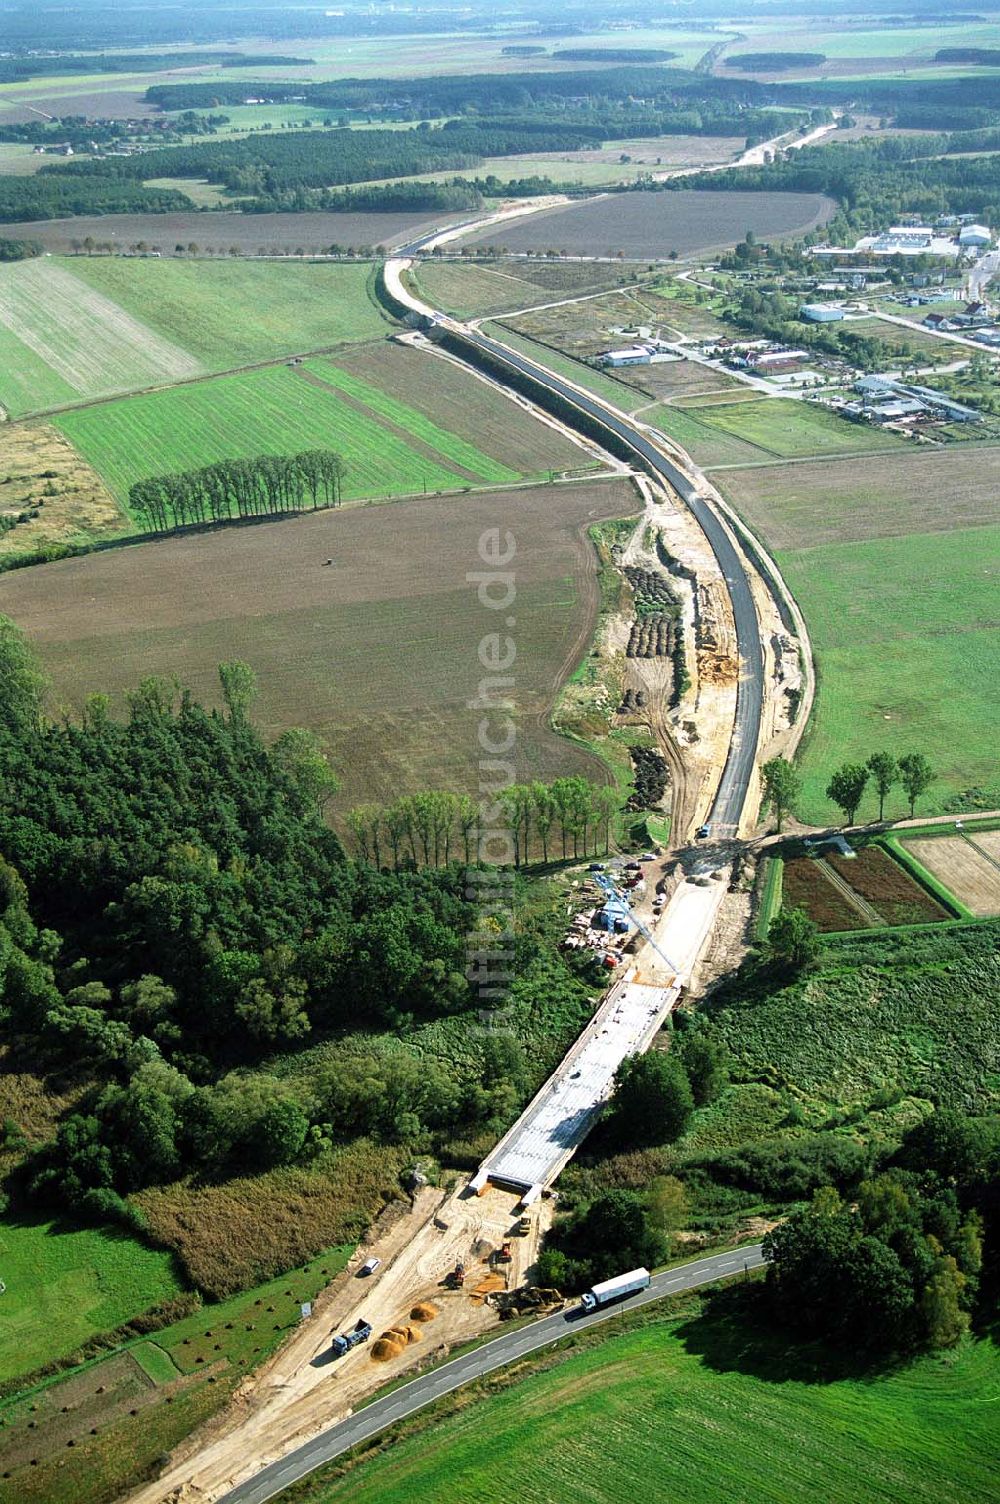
[610,1290]
[358,1334]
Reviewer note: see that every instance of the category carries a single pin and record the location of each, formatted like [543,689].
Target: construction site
[705,659]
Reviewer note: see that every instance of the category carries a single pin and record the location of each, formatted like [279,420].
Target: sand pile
[385,1348]
[423,1311]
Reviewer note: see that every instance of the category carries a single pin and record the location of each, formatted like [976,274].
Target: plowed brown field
[360,624]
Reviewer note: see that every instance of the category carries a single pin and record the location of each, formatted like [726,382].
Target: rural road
[424,1390]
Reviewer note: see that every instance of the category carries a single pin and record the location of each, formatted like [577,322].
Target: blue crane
[611,890]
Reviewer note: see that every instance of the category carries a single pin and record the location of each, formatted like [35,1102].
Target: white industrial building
[972,236]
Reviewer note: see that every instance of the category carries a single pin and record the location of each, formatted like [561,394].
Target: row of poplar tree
[567,816]
[264,486]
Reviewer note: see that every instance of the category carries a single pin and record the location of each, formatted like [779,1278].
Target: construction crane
[610,888]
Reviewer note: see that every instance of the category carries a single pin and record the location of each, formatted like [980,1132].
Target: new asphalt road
[411,1397]
[735,781]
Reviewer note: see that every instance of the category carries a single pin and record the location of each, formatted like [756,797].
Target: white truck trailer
[610,1290]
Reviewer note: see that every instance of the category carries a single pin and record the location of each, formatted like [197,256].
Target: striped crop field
[62,340]
[273,411]
[397,413]
[691,1414]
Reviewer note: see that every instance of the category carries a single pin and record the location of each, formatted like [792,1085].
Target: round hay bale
[423,1311]
[384,1349]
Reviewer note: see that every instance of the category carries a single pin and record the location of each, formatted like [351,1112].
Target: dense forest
[174,912]
[485,93]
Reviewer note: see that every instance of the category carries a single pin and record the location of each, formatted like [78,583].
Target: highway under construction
[297,1404]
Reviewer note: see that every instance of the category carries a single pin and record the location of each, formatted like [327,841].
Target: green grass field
[62,340]
[790,429]
[274,411]
[64,1284]
[231,313]
[212,1349]
[706,443]
[905,634]
[700,1411]
[401,415]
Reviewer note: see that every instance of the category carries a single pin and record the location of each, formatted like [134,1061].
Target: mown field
[741,433]
[968,864]
[62,340]
[893,563]
[64,1283]
[879,496]
[908,648]
[696,1411]
[472,409]
[230,313]
[272,411]
[652,224]
[791,429]
[377,652]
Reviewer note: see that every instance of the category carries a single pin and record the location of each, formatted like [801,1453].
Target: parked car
[703,832]
[369,1266]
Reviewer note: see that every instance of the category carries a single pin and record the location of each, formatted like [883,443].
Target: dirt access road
[304,1389]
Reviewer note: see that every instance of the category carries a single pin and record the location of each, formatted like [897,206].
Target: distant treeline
[987,57]
[774,62]
[270,165]
[13,69]
[61,196]
[613,55]
[297,171]
[485,93]
[82,134]
[266,486]
[19,250]
[940,104]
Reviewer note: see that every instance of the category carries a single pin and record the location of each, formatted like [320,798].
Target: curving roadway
[734,783]
[424,1390]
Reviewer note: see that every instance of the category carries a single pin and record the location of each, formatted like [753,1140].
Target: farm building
[896,410]
[821,313]
[871,386]
[887,401]
[634,355]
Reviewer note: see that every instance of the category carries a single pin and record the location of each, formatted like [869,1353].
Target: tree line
[567,817]
[269,485]
[782,783]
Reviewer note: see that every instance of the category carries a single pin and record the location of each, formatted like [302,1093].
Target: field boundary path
[424,1390]
[861,905]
